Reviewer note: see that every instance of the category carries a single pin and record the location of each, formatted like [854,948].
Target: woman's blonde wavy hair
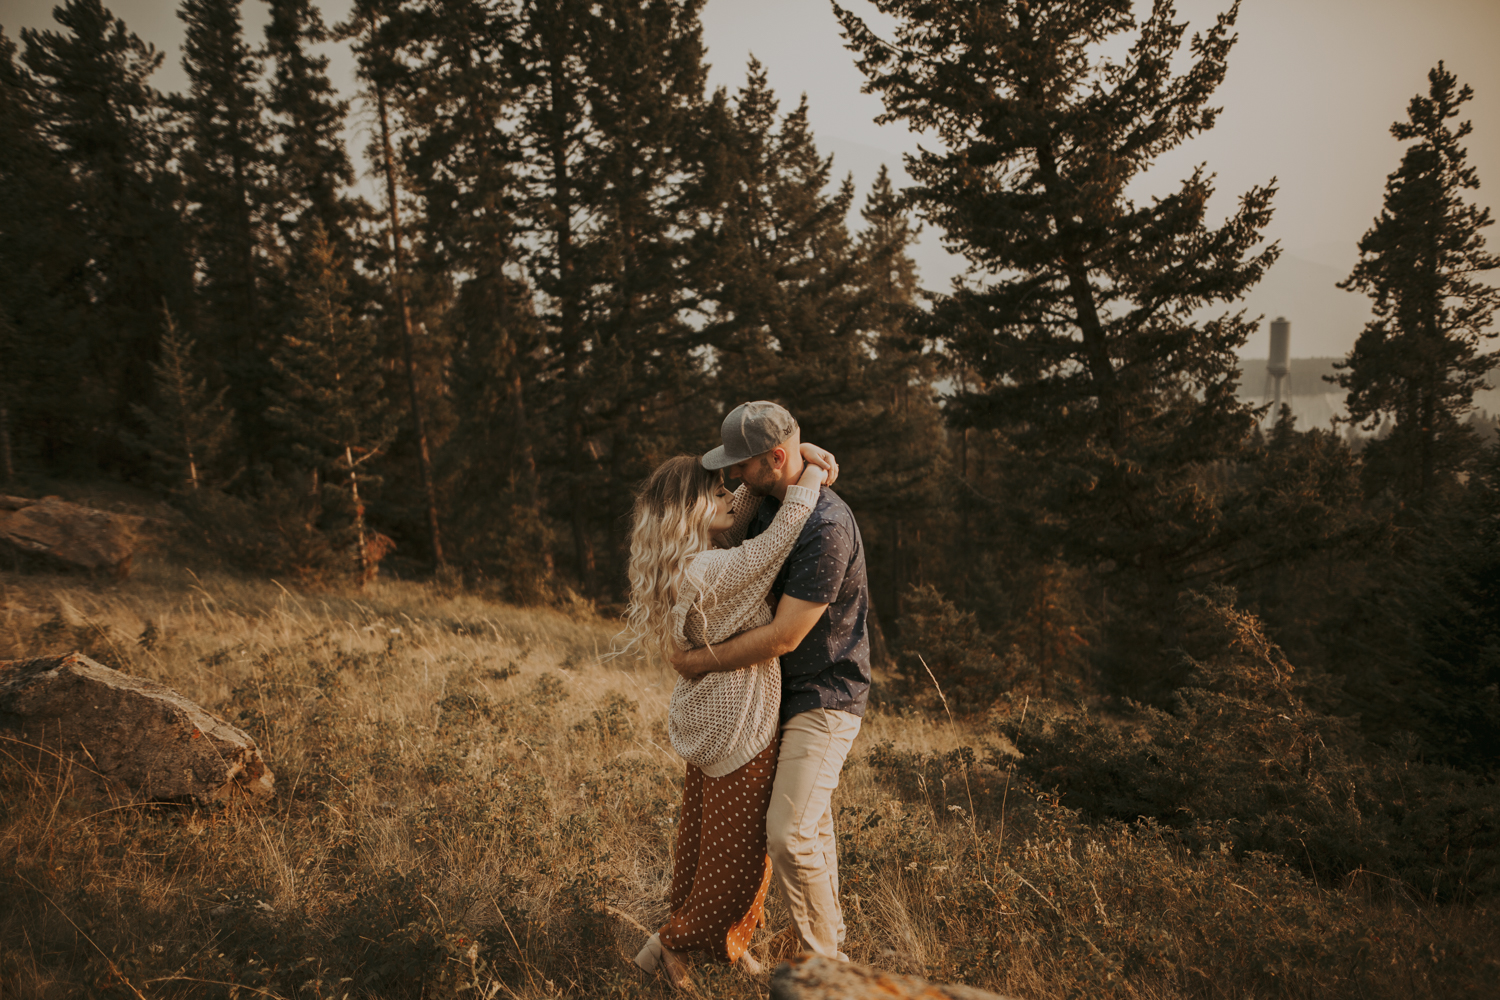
[669,526]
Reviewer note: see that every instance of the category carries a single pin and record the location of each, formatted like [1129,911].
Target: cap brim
[719,458]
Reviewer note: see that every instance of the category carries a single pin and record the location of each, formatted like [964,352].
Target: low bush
[945,645]
[1245,760]
[281,531]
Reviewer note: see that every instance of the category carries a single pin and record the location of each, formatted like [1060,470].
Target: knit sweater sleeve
[728,586]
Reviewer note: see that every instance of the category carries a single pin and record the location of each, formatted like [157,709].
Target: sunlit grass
[473,799]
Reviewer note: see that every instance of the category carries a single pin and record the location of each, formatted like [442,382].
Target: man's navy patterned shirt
[830,668]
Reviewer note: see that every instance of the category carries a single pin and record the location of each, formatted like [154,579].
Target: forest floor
[473,800]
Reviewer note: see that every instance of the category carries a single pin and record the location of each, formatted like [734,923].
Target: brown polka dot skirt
[721,872]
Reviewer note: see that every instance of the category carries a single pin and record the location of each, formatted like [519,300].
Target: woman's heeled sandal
[656,957]
[650,957]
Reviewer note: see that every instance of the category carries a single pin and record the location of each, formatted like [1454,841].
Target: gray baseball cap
[750,429]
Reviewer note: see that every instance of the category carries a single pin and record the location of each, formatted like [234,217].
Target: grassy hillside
[474,801]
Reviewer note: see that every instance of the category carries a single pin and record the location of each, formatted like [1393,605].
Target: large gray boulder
[809,977]
[127,731]
[68,533]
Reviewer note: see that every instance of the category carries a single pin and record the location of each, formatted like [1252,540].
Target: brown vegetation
[473,798]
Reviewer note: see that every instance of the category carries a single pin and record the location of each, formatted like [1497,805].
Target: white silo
[1279,367]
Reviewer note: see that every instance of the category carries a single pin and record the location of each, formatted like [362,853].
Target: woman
[686,592]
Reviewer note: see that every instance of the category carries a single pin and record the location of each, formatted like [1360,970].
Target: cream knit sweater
[722,720]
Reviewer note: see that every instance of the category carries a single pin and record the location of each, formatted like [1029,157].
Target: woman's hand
[823,459]
[813,476]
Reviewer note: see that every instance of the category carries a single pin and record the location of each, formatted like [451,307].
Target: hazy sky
[1312,89]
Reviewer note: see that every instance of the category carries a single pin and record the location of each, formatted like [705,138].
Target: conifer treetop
[109,110]
[1418,359]
[1087,297]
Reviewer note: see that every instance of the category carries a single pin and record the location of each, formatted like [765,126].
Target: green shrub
[969,664]
[1243,760]
[276,532]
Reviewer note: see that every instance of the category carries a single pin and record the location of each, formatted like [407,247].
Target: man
[820,632]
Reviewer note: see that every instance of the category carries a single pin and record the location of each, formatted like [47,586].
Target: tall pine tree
[1076,331]
[226,168]
[312,168]
[801,311]
[106,124]
[1418,360]
[383,32]
[329,400]
[785,271]
[893,429]
[609,101]
[461,162]
[44,281]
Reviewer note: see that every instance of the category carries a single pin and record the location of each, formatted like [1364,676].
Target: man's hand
[823,459]
[681,662]
[794,619]
[694,663]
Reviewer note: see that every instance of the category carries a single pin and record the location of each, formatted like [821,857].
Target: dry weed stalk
[473,804]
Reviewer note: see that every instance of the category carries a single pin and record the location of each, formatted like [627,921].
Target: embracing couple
[760,600]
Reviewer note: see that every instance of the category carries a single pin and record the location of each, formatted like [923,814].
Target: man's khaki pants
[799,824]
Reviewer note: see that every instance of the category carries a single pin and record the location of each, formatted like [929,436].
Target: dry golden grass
[472,801]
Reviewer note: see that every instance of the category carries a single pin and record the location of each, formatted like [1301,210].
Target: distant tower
[1279,368]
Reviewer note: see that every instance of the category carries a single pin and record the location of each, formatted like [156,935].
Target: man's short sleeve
[814,572]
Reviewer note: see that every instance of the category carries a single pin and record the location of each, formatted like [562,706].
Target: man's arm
[794,619]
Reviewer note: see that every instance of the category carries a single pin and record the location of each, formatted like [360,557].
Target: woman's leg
[689,833]
[657,953]
[727,900]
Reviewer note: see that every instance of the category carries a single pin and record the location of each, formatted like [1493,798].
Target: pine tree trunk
[898,570]
[7,468]
[1086,313]
[520,430]
[1427,471]
[1432,378]
[419,426]
[966,544]
[187,444]
[247,256]
[1409,425]
[525,456]
[582,547]
[526,452]
[359,520]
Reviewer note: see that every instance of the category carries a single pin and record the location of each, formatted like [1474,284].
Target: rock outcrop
[126,731]
[68,533]
[809,977]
